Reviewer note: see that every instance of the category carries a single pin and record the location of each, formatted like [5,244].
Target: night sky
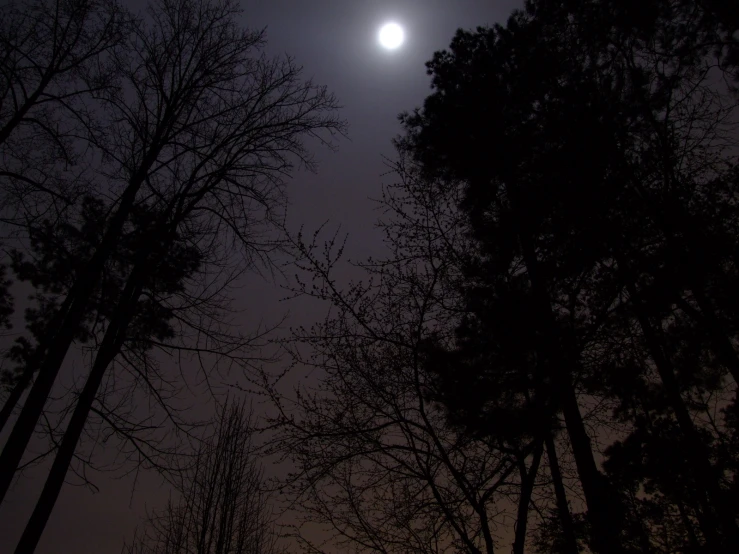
[336,43]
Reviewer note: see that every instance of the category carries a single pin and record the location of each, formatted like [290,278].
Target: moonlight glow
[391,36]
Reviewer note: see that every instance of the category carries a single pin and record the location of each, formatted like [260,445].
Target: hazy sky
[336,43]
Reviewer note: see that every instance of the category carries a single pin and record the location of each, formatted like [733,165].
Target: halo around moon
[391,36]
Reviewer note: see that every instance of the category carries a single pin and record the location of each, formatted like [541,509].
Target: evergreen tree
[590,143]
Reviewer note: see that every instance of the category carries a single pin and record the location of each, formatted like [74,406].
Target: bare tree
[55,57]
[199,138]
[377,462]
[223,507]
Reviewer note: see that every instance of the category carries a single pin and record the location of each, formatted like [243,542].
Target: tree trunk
[110,346]
[602,511]
[563,507]
[715,506]
[15,395]
[692,537]
[527,488]
[36,360]
[62,330]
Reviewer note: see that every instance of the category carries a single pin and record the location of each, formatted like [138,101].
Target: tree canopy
[567,299]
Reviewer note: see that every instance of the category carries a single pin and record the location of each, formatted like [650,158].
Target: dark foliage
[594,147]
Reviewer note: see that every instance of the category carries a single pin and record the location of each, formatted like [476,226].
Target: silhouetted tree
[55,58]
[585,139]
[377,462]
[508,205]
[199,136]
[223,507]
[55,256]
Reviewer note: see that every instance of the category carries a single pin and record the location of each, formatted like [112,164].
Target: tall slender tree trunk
[715,505]
[690,531]
[38,356]
[563,506]
[528,479]
[62,331]
[603,513]
[110,346]
[15,395]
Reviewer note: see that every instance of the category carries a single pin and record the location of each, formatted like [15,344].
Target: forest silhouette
[545,359]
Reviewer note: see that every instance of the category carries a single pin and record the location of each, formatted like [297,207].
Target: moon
[391,36]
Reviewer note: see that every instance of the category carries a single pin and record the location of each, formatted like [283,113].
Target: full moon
[391,36]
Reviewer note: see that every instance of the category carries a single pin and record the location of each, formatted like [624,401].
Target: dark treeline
[546,360]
